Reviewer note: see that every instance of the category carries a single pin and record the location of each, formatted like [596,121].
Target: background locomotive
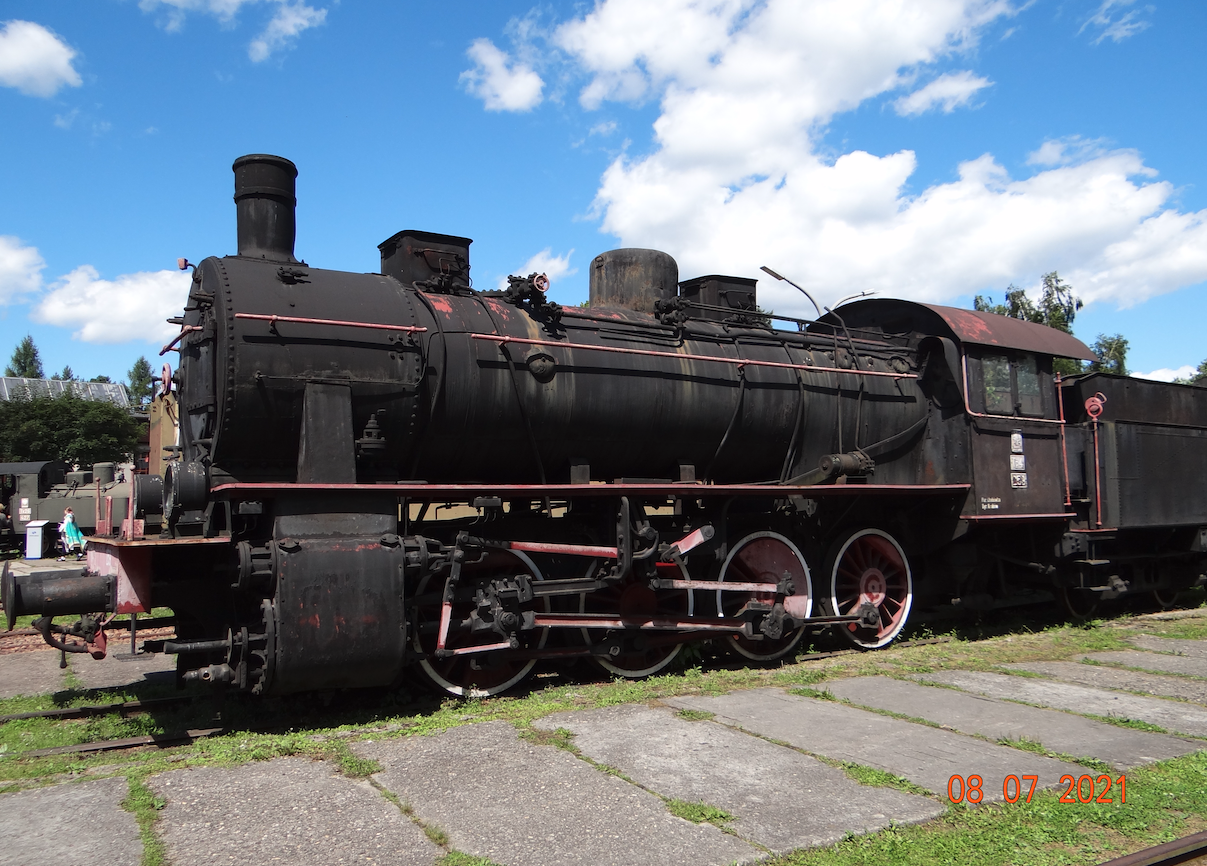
[394,469]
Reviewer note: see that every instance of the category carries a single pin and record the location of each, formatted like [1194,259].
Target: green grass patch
[146,804]
[1023,744]
[559,738]
[460,858]
[1164,802]
[700,813]
[874,778]
[436,835]
[696,715]
[820,694]
[1134,724]
[1181,629]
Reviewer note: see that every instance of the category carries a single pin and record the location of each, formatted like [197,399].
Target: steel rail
[81,712]
[164,741]
[1177,851]
[181,738]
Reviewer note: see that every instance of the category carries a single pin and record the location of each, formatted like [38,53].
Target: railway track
[176,739]
[1189,849]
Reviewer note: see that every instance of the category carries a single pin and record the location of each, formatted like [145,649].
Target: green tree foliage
[105,379]
[1112,355]
[1057,308]
[1199,377]
[68,375]
[25,362]
[66,427]
[140,382]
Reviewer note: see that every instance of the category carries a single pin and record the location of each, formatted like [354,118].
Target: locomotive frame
[383,472]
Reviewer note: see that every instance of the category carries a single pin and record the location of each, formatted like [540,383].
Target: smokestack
[264,206]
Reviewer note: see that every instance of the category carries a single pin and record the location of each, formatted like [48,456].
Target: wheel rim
[636,600]
[763,557]
[871,567]
[1079,603]
[476,676]
[1165,599]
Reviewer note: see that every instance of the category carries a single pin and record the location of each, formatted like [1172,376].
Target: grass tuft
[700,813]
[436,835]
[146,805]
[696,715]
[460,858]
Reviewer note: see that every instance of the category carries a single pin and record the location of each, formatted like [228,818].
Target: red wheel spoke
[870,566]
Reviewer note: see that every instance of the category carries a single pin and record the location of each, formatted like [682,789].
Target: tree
[1199,377]
[1112,355]
[67,427]
[68,375]
[25,362]
[1057,308]
[140,381]
[104,379]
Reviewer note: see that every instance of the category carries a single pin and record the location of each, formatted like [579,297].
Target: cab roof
[965,326]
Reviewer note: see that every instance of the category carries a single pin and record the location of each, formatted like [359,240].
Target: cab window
[999,396]
[1013,385]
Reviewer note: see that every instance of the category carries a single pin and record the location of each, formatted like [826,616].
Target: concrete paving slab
[781,798]
[117,670]
[31,673]
[995,719]
[1161,662]
[1174,716]
[516,803]
[1195,648]
[1097,676]
[925,756]
[289,810]
[76,823]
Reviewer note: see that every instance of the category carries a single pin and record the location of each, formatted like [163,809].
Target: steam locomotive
[393,471]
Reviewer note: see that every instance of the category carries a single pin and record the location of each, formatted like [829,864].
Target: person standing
[70,535]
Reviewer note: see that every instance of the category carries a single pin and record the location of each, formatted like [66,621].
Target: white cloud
[1067,150]
[34,60]
[545,262]
[1167,375]
[1116,28]
[65,121]
[738,175]
[289,20]
[949,92]
[223,10]
[131,307]
[20,269]
[501,82]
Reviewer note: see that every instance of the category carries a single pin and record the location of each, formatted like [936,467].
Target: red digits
[1088,798]
[1034,782]
[1018,787]
[1105,791]
[974,787]
[1067,796]
[950,795]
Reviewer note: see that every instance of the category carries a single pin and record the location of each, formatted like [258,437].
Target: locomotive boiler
[395,470]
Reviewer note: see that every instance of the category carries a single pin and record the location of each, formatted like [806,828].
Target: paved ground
[596,786]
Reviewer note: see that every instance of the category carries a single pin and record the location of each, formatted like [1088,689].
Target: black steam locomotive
[380,471]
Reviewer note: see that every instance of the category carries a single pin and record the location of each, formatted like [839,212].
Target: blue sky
[932,149]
